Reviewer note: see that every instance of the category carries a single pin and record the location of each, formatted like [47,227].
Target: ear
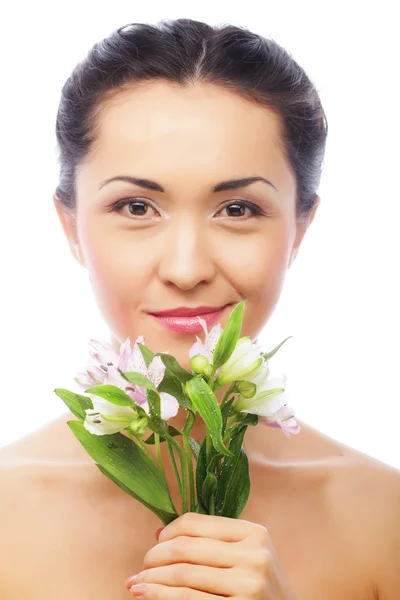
[301,229]
[68,222]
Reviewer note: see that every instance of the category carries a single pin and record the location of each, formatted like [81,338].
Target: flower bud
[246,389]
[201,365]
[138,426]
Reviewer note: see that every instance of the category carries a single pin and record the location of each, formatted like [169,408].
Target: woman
[190,160]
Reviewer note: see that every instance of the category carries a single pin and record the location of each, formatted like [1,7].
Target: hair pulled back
[186,52]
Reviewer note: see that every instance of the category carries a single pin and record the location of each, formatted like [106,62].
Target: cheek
[119,274]
[256,267]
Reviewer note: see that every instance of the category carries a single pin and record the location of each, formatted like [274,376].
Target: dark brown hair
[184,52]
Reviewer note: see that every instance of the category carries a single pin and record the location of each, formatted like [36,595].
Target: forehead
[155,128]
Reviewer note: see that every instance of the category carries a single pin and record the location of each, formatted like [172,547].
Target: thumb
[158,531]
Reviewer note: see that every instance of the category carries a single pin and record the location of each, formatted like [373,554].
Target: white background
[341,298]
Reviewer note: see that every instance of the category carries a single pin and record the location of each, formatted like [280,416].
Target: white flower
[246,359]
[270,403]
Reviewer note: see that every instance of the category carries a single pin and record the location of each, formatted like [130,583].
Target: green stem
[183,472]
[137,440]
[177,475]
[191,474]
[211,378]
[161,464]
[212,504]
[208,449]
[158,452]
[226,396]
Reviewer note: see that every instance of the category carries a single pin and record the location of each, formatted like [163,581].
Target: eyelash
[256,210]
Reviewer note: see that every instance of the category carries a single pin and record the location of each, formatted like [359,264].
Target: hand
[204,557]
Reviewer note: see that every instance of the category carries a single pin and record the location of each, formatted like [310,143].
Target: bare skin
[68,532]
[333,514]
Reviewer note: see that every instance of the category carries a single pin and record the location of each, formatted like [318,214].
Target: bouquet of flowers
[139,390]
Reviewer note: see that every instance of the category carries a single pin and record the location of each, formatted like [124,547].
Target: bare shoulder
[15,493]
[367,493]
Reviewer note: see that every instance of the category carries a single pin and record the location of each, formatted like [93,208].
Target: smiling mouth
[189,324]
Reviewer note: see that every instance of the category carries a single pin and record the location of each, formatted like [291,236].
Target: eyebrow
[231,184]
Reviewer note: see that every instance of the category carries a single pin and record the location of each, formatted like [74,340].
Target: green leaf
[190,420]
[172,385]
[208,408]
[175,368]
[172,432]
[268,355]
[127,463]
[113,394]
[166,517]
[75,402]
[154,401]
[147,354]
[85,402]
[156,423]
[201,473]
[208,488]
[229,336]
[195,447]
[233,487]
[138,379]
[225,413]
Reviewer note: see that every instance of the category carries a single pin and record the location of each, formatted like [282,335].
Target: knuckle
[262,533]
[190,517]
[180,547]
[255,585]
[183,572]
[260,560]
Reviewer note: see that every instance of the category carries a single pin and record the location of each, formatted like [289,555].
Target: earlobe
[68,222]
[301,231]
[292,257]
[78,254]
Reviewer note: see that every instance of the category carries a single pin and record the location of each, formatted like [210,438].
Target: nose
[187,257]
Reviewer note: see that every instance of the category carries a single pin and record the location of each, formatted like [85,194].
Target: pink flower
[283,418]
[211,339]
[102,369]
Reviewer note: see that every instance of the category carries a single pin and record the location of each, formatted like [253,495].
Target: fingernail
[130,581]
[158,532]
[138,590]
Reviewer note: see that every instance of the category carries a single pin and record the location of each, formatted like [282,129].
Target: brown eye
[238,209]
[137,208]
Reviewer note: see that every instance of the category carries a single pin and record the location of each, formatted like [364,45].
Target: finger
[198,525]
[199,551]
[155,591]
[198,577]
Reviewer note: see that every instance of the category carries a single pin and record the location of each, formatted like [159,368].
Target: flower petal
[169,406]
[103,407]
[103,352]
[104,427]
[198,348]
[86,380]
[283,418]
[156,371]
[136,362]
[212,338]
[114,377]
[265,407]
[125,352]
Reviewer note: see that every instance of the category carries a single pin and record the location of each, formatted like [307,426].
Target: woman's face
[188,245]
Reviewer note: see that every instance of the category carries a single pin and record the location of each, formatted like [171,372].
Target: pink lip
[189,324]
